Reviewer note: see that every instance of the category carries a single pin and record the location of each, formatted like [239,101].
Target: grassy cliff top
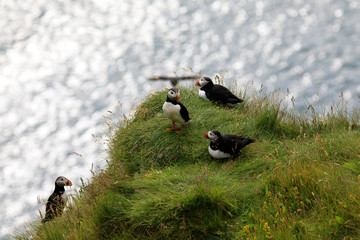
[299,180]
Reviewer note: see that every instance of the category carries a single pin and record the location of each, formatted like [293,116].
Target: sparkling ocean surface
[65,64]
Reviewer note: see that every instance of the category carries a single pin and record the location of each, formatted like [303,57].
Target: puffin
[57,200]
[174,110]
[173,80]
[215,92]
[224,146]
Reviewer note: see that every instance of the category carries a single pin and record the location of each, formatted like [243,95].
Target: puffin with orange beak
[57,200]
[224,146]
[174,110]
[215,92]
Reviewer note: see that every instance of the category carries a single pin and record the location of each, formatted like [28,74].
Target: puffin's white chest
[172,111]
[218,153]
[202,94]
[64,198]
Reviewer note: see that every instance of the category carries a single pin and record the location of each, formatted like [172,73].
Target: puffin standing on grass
[224,146]
[57,200]
[174,110]
[215,92]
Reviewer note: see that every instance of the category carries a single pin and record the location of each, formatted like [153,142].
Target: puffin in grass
[216,93]
[224,146]
[57,200]
[174,110]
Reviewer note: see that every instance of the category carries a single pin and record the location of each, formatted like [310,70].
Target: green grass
[299,180]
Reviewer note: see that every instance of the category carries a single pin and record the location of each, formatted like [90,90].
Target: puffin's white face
[63,181]
[211,135]
[201,82]
[174,94]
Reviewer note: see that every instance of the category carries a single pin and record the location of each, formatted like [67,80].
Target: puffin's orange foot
[173,127]
[182,128]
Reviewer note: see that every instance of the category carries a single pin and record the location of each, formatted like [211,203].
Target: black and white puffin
[224,146]
[174,110]
[215,92]
[57,200]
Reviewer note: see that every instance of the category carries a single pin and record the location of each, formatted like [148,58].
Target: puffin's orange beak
[205,135]
[68,183]
[177,98]
[197,83]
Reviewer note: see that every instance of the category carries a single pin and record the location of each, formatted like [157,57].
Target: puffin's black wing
[184,112]
[221,94]
[233,143]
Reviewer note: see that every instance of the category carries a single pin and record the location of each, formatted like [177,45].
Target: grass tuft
[299,180]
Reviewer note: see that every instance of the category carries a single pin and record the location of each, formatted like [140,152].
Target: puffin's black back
[221,94]
[54,207]
[233,144]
